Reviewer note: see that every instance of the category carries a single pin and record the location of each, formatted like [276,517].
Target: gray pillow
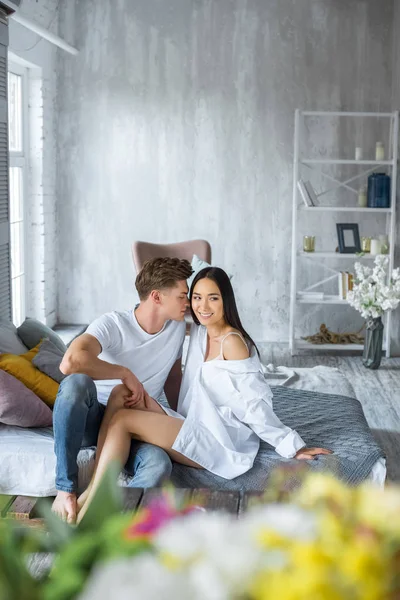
[48,360]
[32,331]
[9,340]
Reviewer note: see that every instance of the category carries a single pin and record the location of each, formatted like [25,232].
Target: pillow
[48,360]
[20,406]
[197,265]
[9,340]
[32,332]
[21,368]
[30,355]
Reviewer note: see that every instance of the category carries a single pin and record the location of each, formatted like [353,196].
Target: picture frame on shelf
[348,238]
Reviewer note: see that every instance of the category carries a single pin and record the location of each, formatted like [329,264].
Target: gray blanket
[323,420]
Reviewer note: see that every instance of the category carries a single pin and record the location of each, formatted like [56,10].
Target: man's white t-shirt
[149,356]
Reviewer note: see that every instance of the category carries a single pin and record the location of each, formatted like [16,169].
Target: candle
[366,244]
[309,243]
[379,151]
[375,246]
[358,154]
[362,197]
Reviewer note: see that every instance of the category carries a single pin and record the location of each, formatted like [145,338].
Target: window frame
[19,159]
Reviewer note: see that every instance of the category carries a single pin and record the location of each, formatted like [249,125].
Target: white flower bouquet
[373,293]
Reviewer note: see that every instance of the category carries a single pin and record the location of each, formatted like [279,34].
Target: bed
[27,460]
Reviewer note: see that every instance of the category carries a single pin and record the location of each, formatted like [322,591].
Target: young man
[141,348]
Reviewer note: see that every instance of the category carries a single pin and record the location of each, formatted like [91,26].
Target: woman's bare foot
[83,508]
[65,506]
[82,498]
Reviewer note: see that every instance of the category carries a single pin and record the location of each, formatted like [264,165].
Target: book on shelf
[346,281]
[307,193]
[311,193]
[304,193]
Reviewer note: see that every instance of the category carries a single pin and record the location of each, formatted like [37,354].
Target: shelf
[330,113]
[303,345]
[334,161]
[334,180]
[327,299]
[318,255]
[344,209]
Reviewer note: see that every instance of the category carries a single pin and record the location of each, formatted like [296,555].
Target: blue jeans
[77,418]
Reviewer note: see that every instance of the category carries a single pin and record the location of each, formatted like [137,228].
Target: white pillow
[197,265]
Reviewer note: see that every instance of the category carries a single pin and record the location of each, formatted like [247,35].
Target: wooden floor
[378,391]
[24,509]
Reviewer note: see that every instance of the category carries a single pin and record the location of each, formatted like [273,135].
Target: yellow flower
[170,561]
[379,508]
[319,489]
[309,576]
[272,540]
[365,567]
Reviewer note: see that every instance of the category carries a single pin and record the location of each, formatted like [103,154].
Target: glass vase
[372,354]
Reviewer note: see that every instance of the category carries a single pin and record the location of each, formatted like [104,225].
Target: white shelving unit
[299,162]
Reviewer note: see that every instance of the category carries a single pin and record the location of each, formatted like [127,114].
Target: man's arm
[82,357]
[173,384]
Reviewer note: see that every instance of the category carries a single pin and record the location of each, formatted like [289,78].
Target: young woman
[224,407]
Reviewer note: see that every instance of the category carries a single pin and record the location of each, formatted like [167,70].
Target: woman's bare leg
[115,402]
[150,427]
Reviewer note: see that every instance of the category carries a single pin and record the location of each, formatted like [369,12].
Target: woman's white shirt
[227,407]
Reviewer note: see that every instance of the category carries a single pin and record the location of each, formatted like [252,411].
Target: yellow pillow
[32,353]
[22,368]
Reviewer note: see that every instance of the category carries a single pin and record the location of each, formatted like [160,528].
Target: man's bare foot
[65,506]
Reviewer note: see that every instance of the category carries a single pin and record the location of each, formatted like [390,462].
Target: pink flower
[151,518]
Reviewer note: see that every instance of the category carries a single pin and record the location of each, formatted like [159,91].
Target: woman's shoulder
[235,346]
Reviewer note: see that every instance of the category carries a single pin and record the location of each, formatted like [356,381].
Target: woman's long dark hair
[231,314]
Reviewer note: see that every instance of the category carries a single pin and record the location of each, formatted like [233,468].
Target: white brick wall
[41,266]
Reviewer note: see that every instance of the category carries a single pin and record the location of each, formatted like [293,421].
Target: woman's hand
[310,453]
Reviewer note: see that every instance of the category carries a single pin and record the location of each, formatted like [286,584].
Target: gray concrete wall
[176,122]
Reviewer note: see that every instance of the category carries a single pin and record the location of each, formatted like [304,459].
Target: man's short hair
[161,274]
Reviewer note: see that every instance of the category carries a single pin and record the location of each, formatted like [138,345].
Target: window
[17,127]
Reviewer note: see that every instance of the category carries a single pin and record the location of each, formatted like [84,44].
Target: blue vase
[378,190]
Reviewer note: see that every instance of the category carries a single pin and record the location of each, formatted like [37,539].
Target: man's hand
[148,403]
[135,388]
[310,453]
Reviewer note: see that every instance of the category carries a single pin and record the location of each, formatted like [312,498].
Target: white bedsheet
[27,460]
